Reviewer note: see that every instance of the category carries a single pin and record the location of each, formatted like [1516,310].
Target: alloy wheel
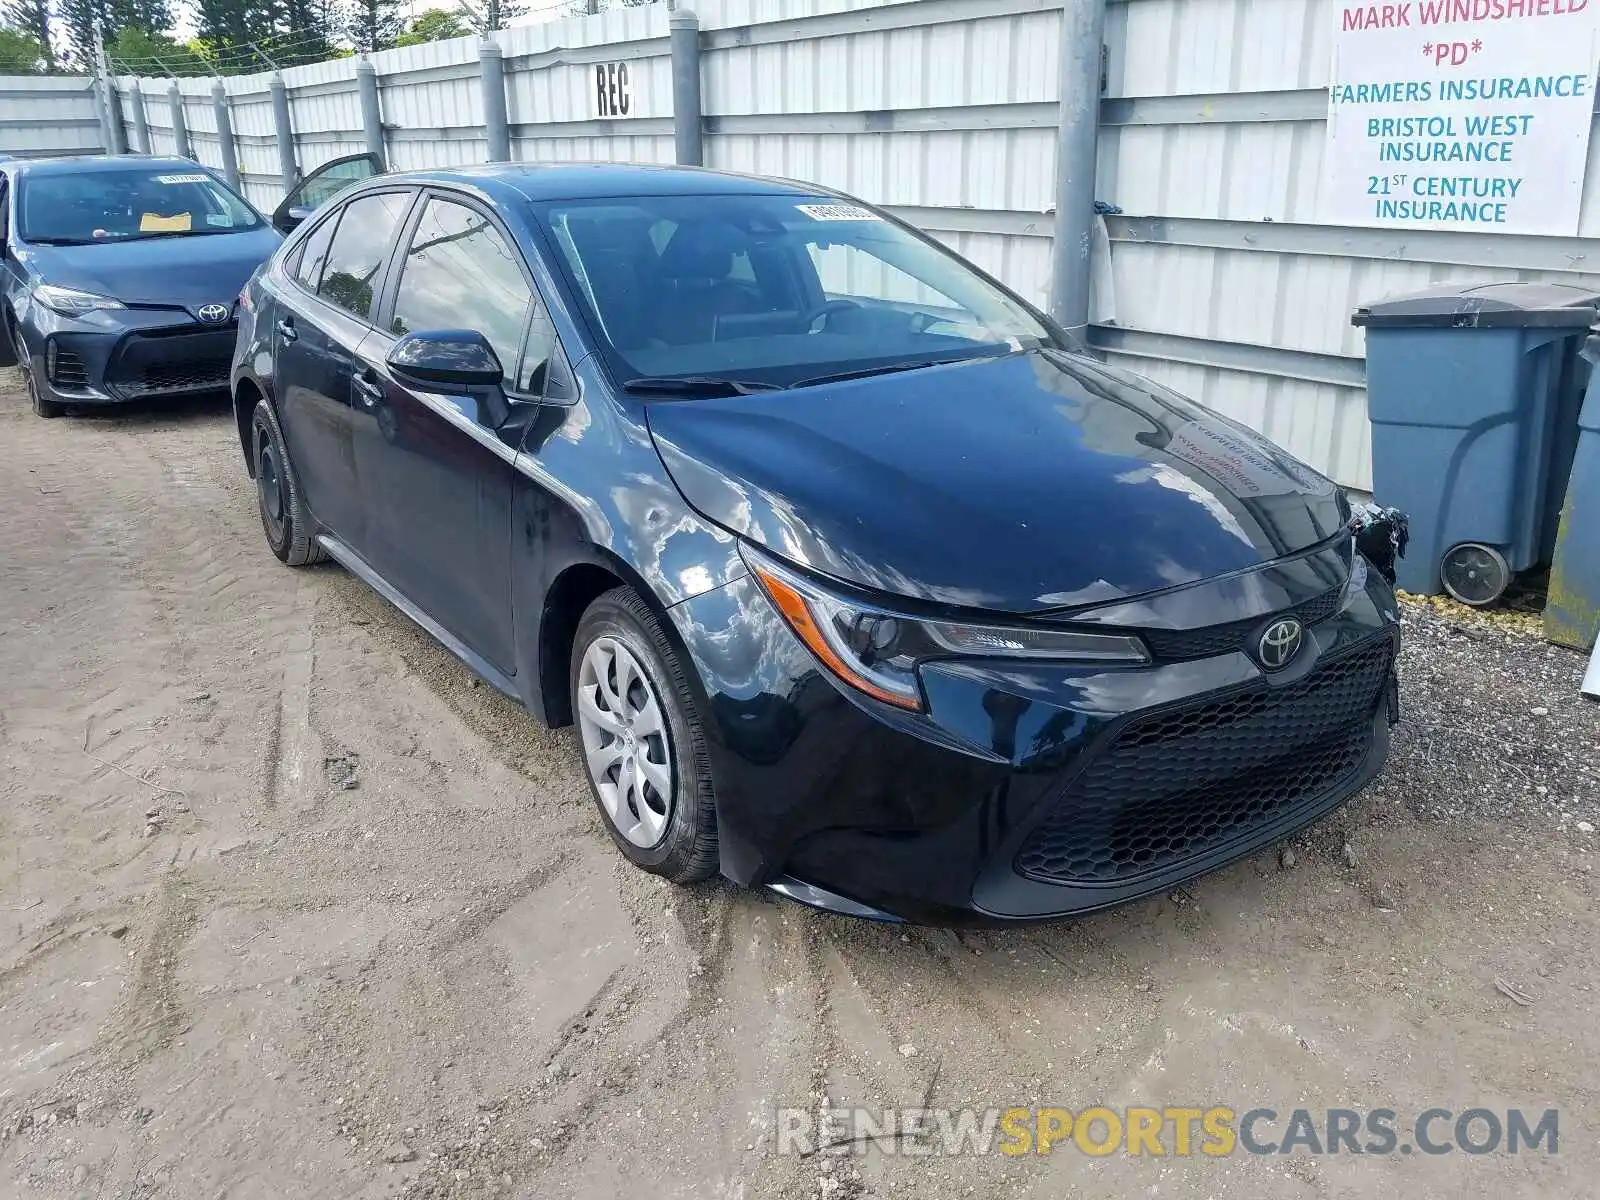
[625,741]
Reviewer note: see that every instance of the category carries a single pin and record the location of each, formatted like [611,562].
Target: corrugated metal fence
[42,115]
[1218,280]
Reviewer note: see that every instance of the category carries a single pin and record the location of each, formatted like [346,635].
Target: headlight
[877,651]
[70,302]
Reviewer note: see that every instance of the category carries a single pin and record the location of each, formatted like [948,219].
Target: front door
[438,466]
[316,334]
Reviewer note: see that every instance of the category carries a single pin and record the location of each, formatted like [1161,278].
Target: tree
[485,16]
[31,19]
[433,25]
[77,19]
[152,16]
[373,24]
[137,52]
[20,54]
[237,34]
[307,32]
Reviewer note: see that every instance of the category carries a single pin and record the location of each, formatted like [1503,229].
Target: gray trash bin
[1473,392]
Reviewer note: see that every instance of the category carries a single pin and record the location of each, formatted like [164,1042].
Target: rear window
[82,208]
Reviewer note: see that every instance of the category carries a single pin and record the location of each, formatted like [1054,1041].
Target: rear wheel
[644,744]
[284,516]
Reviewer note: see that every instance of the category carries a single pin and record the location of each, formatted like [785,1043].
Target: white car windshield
[775,289]
[82,208]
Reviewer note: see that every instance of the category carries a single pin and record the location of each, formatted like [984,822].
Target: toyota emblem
[1280,643]
[213,314]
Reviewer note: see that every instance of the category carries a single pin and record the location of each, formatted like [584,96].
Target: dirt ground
[293,909]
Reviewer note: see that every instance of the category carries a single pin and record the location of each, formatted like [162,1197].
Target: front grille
[1176,783]
[167,362]
[1178,645]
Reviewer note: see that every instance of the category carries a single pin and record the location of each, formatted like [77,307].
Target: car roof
[587,181]
[99,162]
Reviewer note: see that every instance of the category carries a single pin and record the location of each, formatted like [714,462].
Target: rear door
[316,334]
[439,465]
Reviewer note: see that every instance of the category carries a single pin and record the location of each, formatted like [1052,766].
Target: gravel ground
[293,909]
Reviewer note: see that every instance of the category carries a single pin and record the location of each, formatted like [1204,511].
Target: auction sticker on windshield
[838,212]
[196,178]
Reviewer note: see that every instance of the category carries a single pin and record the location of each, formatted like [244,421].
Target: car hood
[181,272]
[1033,482]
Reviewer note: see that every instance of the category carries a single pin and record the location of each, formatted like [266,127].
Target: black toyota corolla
[857,579]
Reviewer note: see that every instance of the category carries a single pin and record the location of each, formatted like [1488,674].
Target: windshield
[80,208]
[774,290]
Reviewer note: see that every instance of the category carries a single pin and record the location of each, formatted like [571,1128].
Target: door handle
[286,330]
[368,388]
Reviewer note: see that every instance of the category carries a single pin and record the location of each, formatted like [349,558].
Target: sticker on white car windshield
[182,178]
[838,212]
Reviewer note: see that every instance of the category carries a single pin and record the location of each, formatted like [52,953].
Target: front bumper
[125,355]
[1029,791]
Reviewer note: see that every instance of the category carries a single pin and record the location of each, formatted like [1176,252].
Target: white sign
[1461,114]
[611,91]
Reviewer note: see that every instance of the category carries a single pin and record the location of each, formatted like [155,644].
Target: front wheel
[284,517]
[644,745]
[42,405]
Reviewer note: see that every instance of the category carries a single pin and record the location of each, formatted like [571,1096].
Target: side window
[544,370]
[5,210]
[318,189]
[460,272]
[366,231]
[313,254]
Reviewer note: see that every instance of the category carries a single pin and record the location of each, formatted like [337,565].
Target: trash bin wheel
[1475,574]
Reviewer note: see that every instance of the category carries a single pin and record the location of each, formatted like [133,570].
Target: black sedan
[859,582]
[118,274]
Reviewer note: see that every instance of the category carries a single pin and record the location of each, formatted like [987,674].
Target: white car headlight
[70,302]
[877,651]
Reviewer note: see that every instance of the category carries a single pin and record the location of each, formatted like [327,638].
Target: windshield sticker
[156,223]
[183,178]
[838,212]
[219,220]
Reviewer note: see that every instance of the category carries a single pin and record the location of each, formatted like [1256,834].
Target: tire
[686,848]
[285,520]
[24,369]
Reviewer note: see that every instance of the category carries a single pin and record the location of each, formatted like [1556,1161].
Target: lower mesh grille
[161,362]
[1177,783]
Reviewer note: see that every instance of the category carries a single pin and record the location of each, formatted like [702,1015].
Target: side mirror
[287,219]
[458,358]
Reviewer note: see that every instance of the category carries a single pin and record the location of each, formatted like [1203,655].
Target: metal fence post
[371,118]
[285,131]
[684,27]
[230,156]
[119,135]
[1082,35]
[492,75]
[181,145]
[141,124]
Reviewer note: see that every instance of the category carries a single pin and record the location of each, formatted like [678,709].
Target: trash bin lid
[1484,306]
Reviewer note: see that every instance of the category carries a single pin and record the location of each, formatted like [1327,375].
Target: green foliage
[31,20]
[20,54]
[136,52]
[434,25]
